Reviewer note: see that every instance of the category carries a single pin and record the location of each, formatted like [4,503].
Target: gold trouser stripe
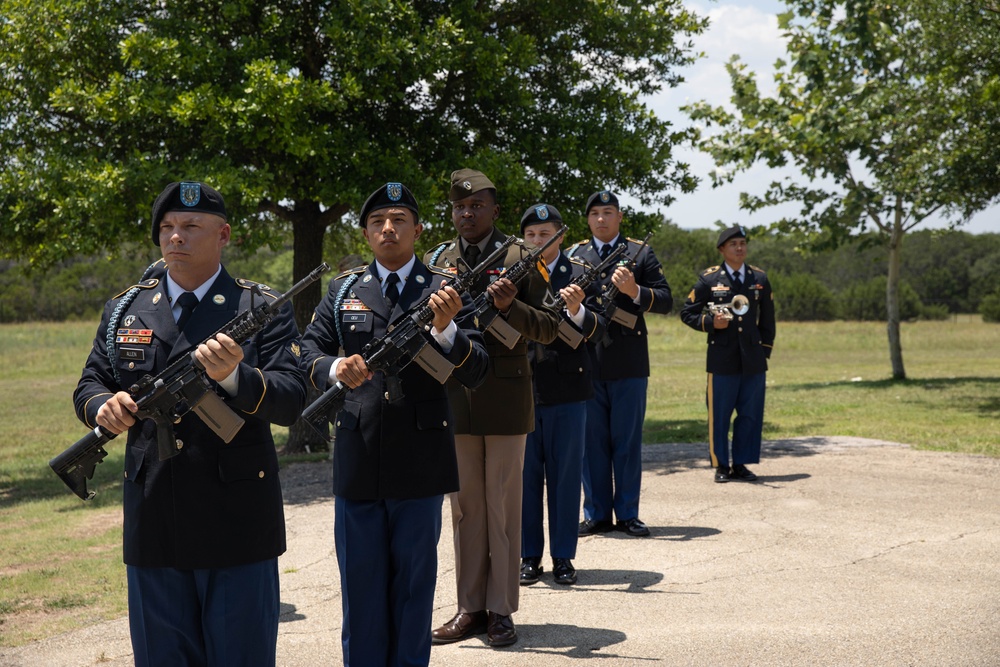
[711,424]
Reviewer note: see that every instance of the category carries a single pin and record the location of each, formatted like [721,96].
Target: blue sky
[748,28]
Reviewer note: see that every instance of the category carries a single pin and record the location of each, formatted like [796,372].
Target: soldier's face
[734,251]
[192,244]
[604,221]
[538,235]
[391,234]
[474,215]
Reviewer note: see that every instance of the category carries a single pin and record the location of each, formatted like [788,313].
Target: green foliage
[989,307]
[866,301]
[934,311]
[886,120]
[296,112]
[802,297]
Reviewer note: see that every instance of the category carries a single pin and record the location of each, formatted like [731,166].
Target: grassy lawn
[60,558]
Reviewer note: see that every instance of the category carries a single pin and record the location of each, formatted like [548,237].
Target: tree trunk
[308,228]
[892,296]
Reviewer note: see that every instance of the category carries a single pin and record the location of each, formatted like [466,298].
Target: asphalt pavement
[846,552]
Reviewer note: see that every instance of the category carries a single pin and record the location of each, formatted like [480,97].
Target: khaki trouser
[486,518]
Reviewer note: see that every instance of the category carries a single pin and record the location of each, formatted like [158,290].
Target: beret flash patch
[190,194]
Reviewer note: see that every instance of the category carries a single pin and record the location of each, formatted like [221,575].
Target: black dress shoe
[461,626]
[530,569]
[722,474]
[564,571]
[500,630]
[633,527]
[742,474]
[591,527]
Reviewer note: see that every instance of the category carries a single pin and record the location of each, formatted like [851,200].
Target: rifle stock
[172,393]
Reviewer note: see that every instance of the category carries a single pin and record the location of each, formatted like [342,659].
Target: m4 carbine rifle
[180,388]
[611,309]
[568,332]
[486,314]
[403,342]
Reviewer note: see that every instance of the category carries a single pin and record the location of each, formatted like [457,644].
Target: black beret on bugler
[602,198]
[540,213]
[186,196]
[735,230]
[465,182]
[390,195]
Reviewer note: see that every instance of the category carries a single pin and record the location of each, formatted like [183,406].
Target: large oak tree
[297,109]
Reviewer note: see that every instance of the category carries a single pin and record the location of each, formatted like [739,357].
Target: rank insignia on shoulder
[296,350]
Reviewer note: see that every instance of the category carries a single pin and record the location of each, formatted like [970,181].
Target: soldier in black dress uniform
[393,460]
[612,471]
[203,529]
[563,381]
[739,345]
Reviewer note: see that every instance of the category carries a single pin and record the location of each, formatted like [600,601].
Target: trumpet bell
[740,305]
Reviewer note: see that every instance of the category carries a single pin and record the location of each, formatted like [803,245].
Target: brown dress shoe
[500,630]
[461,626]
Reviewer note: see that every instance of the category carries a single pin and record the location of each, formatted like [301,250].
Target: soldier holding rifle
[203,528]
[394,453]
[612,470]
[491,422]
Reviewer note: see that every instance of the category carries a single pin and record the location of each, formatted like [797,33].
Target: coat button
[131,365]
[261,474]
[126,474]
[353,327]
[338,422]
[740,329]
[179,443]
[444,423]
[580,369]
[740,319]
[387,396]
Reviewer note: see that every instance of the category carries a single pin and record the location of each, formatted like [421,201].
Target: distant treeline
[943,273]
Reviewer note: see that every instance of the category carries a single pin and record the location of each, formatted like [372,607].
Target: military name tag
[355,318]
[132,353]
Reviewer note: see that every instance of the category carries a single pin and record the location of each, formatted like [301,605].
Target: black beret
[735,230]
[602,198]
[539,213]
[465,182]
[186,196]
[394,195]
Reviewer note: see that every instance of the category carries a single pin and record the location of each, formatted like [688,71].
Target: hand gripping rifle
[180,388]
[403,342]
[486,314]
[611,309]
[568,331]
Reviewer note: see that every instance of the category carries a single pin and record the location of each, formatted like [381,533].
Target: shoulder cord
[437,254]
[351,279]
[572,250]
[123,304]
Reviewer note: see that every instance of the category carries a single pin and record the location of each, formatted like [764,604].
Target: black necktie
[187,301]
[391,290]
[737,283]
[472,256]
[605,251]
